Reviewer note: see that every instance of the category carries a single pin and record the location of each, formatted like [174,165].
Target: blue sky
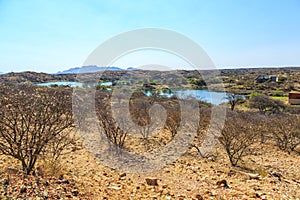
[52,35]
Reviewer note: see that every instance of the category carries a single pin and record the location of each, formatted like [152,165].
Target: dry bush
[115,127]
[204,121]
[172,124]
[112,131]
[174,116]
[286,131]
[31,120]
[266,104]
[146,113]
[140,106]
[261,125]
[237,135]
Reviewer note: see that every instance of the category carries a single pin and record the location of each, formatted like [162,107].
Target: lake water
[62,83]
[215,98]
[70,84]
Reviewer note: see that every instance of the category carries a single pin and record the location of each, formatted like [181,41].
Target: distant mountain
[88,69]
[132,68]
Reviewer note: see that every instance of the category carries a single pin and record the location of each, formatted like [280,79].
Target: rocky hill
[34,77]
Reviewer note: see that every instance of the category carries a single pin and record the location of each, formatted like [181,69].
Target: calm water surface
[215,98]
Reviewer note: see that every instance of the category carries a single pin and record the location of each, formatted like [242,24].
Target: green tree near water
[234,99]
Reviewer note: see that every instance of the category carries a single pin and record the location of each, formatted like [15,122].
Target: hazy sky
[52,35]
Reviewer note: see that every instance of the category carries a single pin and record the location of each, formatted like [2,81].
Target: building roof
[294,92]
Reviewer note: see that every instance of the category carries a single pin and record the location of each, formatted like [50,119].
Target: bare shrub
[174,116]
[172,124]
[139,108]
[261,125]
[31,119]
[237,136]
[266,104]
[111,129]
[204,121]
[62,144]
[286,131]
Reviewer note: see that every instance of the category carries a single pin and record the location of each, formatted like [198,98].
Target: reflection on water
[60,83]
[215,98]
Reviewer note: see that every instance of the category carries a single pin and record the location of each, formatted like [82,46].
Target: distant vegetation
[239,81]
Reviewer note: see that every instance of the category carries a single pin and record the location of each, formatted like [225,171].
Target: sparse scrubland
[240,81]
[42,157]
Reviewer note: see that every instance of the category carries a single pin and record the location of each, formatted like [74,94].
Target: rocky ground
[268,174]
